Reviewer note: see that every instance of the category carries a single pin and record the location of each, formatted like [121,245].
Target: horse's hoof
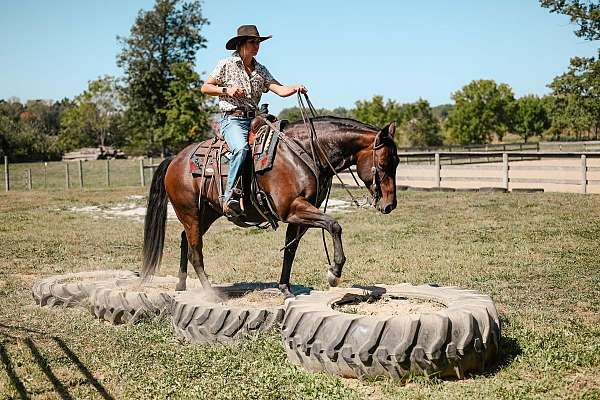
[332,279]
[286,292]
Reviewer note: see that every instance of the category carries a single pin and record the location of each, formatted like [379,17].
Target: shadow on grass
[42,362]
[252,286]
[508,350]
[12,375]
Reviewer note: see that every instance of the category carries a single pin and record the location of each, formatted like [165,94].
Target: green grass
[536,255]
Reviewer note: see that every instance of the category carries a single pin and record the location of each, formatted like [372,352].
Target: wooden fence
[501,175]
[77,174]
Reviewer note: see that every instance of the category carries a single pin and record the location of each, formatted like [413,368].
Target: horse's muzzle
[387,208]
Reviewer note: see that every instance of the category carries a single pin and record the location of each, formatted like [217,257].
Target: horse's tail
[155,221]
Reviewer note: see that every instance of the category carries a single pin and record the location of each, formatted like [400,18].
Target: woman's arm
[285,91]
[211,88]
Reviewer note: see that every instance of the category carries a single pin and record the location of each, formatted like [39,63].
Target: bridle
[375,191]
[376,183]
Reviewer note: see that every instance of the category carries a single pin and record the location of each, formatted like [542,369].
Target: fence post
[6,175]
[107,172]
[583,174]
[67,174]
[28,178]
[437,170]
[505,170]
[80,167]
[142,172]
[45,174]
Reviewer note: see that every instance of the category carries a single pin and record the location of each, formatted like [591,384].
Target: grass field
[536,255]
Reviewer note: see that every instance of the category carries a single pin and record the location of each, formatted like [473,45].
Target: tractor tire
[131,301]
[463,337]
[74,288]
[200,320]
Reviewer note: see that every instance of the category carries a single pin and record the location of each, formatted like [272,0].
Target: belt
[242,113]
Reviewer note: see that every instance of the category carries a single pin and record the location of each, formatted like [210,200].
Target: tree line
[157,107]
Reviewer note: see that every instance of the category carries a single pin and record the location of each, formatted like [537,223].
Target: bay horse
[291,184]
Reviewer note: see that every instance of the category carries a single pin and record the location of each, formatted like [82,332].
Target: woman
[240,81]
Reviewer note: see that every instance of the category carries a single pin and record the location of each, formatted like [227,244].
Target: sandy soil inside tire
[254,298]
[368,305]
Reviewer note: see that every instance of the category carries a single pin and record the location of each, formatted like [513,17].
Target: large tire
[130,301]
[74,288]
[201,320]
[461,338]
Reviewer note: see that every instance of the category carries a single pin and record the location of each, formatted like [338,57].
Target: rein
[314,143]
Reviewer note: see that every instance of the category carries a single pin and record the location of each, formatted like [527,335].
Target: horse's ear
[389,130]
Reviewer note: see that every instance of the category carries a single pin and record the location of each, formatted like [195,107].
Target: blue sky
[343,51]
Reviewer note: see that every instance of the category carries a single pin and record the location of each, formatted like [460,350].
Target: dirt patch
[267,297]
[370,305]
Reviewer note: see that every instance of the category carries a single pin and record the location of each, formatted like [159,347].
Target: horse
[296,190]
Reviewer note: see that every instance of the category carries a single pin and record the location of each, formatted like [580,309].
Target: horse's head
[377,169]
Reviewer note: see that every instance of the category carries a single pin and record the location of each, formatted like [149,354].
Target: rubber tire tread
[118,305]
[459,339]
[200,321]
[57,290]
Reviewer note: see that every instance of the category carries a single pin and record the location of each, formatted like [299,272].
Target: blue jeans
[235,130]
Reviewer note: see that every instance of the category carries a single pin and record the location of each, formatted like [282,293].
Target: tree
[293,113]
[166,35]
[530,117]
[96,119]
[187,110]
[419,127]
[586,14]
[577,96]
[376,112]
[482,109]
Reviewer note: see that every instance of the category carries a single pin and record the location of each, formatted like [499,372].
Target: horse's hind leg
[183,263]
[194,232]
[293,234]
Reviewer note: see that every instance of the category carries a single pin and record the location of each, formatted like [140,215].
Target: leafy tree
[377,112]
[293,113]
[577,96]
[586,14]
[419,127]
[483,109]
[29,131]
[530,117]
[159,38]
[187,110]
[96,118]
[442,111]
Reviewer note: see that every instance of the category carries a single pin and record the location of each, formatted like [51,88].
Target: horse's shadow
[12,334]
[243,287]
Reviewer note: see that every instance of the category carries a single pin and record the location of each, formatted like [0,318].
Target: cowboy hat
[243,32]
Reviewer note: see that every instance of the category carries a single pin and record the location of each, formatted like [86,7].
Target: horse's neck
[343,148]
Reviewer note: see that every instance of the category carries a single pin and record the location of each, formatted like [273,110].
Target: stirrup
[232,208]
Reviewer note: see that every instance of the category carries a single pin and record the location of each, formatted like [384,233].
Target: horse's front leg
[293,234]
[303,213]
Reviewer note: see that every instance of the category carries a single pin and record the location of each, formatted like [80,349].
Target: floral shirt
[231,72]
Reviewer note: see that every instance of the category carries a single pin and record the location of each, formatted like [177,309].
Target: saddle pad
[263,153]
[210,168]
[264,149]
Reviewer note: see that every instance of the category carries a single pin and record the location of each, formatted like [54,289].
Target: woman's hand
[236,91]
[300,89]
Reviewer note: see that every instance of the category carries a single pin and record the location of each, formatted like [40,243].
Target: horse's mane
[341,122]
